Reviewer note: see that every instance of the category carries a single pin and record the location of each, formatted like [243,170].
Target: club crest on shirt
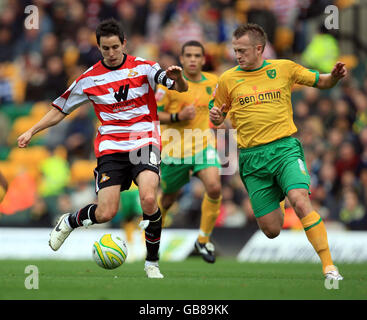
[132,73]
[271,73]
[104,178]
[209,90]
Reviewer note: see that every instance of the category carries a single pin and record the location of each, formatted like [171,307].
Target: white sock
[151,263]
[66,219]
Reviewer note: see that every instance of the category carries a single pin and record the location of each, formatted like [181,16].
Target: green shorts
[175,173]
[269,171]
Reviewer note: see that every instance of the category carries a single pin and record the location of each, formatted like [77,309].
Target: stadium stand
[40,64]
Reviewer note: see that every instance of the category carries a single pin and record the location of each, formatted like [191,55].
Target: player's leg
[257,168]
[129,215]
[210,209]
[108,202]
[173,178]
[111,175]
[294,181]
[148,182]
[267,210]
[315,230]
[165,201]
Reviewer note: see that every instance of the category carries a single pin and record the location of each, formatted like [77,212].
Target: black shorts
[122,168]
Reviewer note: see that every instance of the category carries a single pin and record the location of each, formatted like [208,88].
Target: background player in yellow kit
[3,186]
[186,117]
[256,94]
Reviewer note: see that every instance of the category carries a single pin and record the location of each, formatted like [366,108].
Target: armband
[174,117]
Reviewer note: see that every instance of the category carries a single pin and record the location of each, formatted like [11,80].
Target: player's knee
[214,191]
[271,233]
[148,203]
[106,213]
[301,205]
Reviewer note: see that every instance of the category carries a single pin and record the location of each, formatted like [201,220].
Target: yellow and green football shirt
[185,138]
[258,102]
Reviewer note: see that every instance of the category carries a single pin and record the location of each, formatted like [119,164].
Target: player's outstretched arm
[216,115]
[327,81]
[187,113]
[175,73]
[54,116]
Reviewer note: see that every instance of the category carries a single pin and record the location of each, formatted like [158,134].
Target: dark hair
[255,32]
[192,43]
[109,27]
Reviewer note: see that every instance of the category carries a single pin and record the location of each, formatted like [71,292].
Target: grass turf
[191,279]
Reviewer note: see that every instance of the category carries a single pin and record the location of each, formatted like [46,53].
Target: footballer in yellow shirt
[188,144]
[259,100]
[256,95]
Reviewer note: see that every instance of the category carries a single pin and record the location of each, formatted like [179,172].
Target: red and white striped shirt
[123,100]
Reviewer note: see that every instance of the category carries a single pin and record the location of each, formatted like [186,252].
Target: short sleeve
[304,76]
[72,98]
[221,96]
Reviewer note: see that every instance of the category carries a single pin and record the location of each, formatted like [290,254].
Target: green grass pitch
[192,279]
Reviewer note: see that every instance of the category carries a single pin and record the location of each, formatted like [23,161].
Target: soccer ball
[110,251]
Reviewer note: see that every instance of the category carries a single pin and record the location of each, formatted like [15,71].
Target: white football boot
[59,233]
[153,271]
[332,273]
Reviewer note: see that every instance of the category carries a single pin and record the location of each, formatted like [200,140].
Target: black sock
[153,235]
[88,212]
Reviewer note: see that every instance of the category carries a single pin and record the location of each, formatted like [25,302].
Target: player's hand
[24,139]
[339,71]
[187,113]
[216,115]
[174,73]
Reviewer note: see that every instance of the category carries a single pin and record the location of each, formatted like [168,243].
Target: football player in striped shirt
[127,146]
[256,94]
[186,114]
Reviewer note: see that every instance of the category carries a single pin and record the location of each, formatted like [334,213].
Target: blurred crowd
[37,65]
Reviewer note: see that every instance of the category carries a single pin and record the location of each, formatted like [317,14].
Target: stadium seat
[21,125]
[82,170]
[9,170]
[13,73]
[14,111]
[351,61]
[283,39]
[39,109]
[343,4]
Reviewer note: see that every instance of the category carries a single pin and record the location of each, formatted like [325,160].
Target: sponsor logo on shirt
[259,97]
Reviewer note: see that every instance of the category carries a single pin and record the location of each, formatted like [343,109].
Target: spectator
[261,14]
[55,82]
[79,135]
[6,45]
[348,159]
[352,212]
[88,52]
[6,95]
